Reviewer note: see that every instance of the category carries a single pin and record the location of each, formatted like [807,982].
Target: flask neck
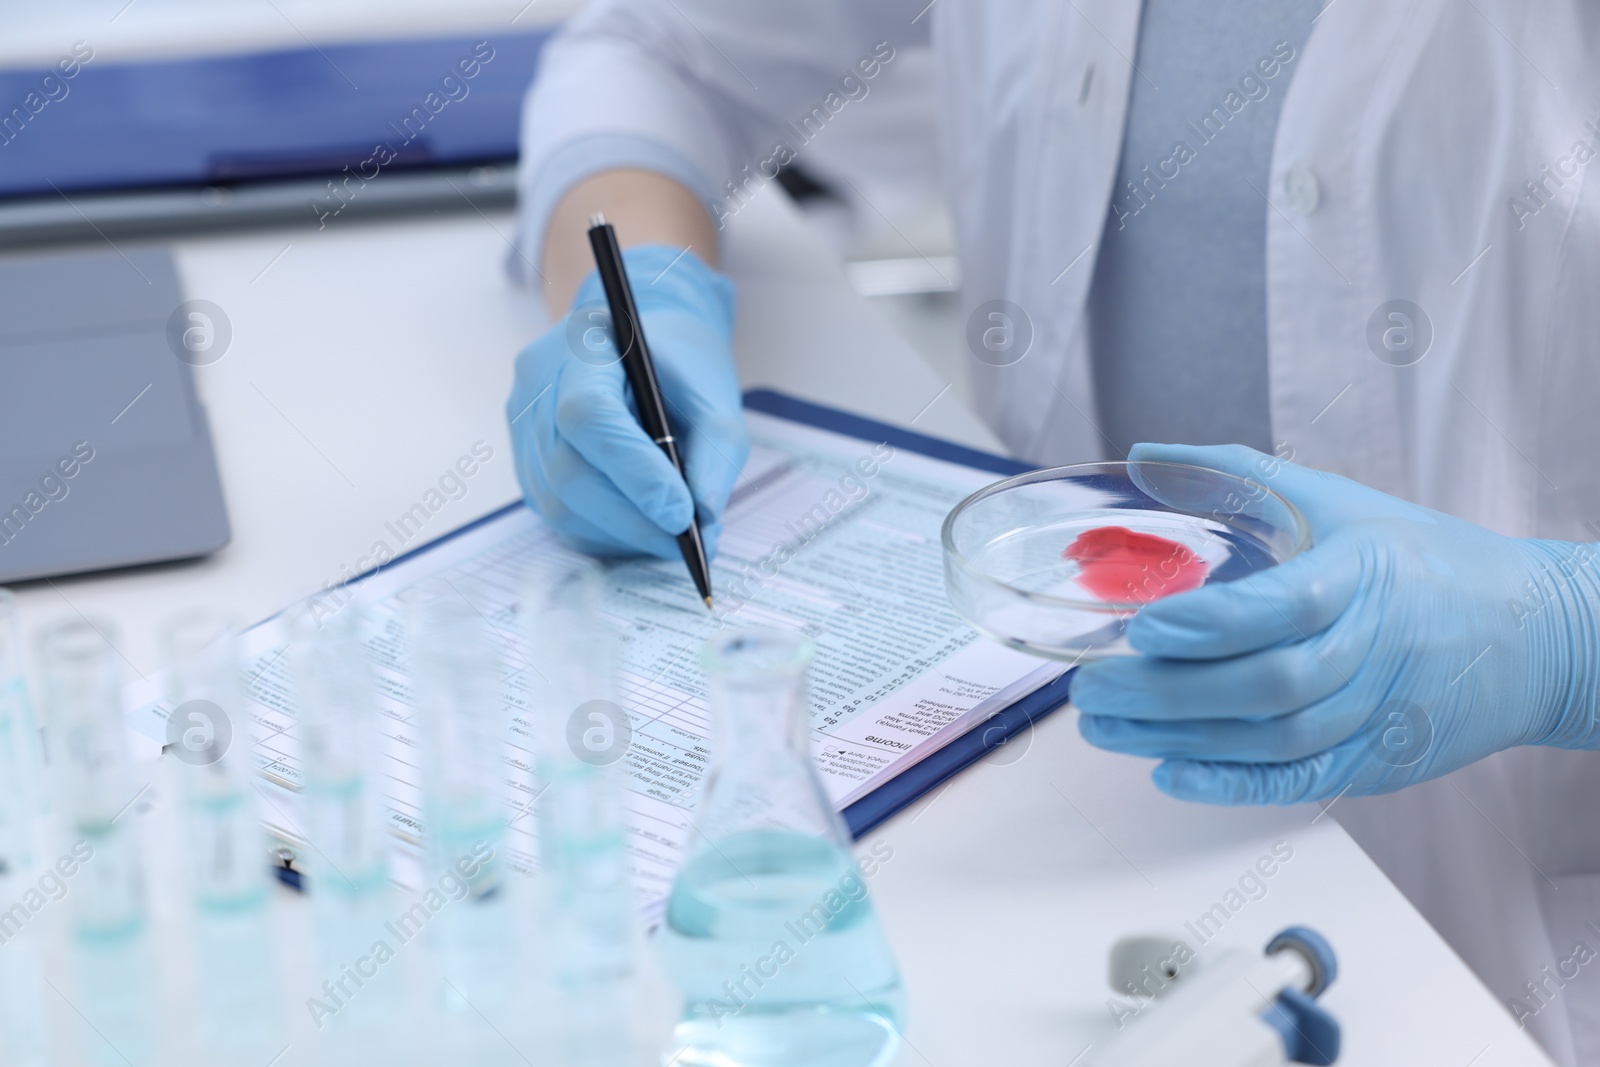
[762,776]
[759,717]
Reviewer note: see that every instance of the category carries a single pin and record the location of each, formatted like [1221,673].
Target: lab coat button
[1301,190]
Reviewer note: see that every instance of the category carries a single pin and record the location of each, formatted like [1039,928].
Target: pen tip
[708,602]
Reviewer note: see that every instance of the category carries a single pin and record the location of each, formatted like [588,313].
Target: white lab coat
[1436,151]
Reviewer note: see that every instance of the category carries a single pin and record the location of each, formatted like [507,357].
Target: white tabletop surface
[367,357]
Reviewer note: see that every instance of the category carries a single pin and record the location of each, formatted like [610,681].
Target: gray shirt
[1177,309]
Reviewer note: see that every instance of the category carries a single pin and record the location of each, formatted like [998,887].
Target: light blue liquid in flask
[769,931]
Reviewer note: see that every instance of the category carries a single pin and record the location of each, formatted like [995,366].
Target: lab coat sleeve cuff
[577,159]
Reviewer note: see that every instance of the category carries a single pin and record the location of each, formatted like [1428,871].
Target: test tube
[458,692]
[339,736]
[24,1033]
[582,739]
[21,757]
[357,1016]
[457,678]
[83,698]
[24,1039]
[210,736]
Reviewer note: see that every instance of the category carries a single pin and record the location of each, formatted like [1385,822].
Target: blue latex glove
[1403,645]
[584,463]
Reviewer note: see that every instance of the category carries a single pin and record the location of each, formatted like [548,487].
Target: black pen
[628,334]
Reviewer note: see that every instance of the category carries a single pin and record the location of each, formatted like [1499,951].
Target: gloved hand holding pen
[1404,644]
[582,459]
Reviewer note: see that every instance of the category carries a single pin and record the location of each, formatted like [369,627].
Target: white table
[367,357]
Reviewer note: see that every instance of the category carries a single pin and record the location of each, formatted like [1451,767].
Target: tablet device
[105,453]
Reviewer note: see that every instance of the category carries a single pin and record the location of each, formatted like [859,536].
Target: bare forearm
[645,208]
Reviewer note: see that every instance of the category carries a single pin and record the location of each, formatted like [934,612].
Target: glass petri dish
[1056,561]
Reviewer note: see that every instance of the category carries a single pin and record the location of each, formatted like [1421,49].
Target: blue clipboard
[916,781]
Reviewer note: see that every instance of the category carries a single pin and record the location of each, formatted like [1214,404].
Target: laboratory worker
[1349,251]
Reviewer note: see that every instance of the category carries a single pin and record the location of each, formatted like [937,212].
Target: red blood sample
[1120,565]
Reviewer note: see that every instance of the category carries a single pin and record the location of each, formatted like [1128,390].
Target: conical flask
[769,932]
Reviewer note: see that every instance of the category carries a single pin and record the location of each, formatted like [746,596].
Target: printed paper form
[825,533]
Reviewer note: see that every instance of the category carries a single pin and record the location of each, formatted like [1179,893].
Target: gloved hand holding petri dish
[1056,561]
